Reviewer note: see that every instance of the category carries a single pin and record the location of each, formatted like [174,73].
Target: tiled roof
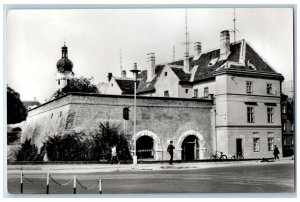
[145,86]
[257,61]
[207,64]
[126,85]
[181,74]
[205,71]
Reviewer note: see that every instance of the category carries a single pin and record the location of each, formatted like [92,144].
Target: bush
[28,152]
[68,147]
[77,147]
[107,136]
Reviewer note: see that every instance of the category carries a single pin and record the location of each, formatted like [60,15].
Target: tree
[81,85]
[16,111]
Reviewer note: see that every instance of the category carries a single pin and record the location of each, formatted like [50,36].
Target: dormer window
[213,62]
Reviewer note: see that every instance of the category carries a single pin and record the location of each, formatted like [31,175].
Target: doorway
[190,148]
[239,146]
[144,147]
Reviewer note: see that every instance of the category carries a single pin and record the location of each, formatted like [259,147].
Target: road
[261,178]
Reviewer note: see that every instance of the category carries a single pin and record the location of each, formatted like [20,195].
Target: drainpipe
[216,130]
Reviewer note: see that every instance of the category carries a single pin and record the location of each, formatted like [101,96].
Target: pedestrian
[276,152]
[114,155]
[170,150]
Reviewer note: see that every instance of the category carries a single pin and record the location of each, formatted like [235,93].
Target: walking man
[170,150]
[114,155]
[276,152]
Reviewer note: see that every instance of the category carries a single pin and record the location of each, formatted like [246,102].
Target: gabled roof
[242,58]
[181,74]
[126,85]
[145,86]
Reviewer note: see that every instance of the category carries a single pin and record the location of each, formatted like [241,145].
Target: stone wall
[166,118]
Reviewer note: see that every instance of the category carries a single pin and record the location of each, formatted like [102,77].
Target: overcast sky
[95,37]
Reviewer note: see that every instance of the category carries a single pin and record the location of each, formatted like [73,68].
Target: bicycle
[215,156]
[238,157]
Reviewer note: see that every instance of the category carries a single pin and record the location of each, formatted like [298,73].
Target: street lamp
[135,72]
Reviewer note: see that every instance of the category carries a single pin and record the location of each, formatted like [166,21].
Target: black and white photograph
[104,101]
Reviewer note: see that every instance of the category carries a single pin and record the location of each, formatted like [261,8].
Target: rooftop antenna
[186,35]
[187,42]
[121,61]
[234,27]
[173,53]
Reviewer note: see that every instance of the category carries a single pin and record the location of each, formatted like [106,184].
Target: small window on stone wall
[51,115]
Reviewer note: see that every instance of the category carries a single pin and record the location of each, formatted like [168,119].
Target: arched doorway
[144,147]
[190,148]
[191,136]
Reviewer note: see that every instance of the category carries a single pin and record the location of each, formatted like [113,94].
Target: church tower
[64,69]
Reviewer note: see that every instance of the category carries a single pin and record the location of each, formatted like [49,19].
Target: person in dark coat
[276,152]
[170,150]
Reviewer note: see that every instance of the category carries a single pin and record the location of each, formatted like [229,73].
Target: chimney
[186,62]
[151,66]
[109,76]
[197,48]
[224,44]
[123,74]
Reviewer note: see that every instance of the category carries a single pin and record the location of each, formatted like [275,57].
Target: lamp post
[135,71]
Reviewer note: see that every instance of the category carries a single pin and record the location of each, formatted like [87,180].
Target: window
[51,115]
[205,92]
[250,114]
[269,88]
[60,113]
[186,90]
[195,92]
[270,111]
[166,73]
[58,81]
[284,126]
[270,143]
[166,93]
[256,144]
[292,127]
[284,108]
[249,87]
[112,84]
[68,81]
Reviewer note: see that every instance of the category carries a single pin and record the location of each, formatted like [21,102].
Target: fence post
[100,186]
[21,183]
[47,192]
[74,184]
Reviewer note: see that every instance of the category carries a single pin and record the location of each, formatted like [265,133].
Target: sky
[95,37]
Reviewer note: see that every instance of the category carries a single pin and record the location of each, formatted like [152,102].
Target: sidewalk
[96,168]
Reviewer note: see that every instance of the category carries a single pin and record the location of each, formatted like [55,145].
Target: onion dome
[64,64]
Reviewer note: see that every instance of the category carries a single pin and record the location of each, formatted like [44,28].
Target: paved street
[272,177]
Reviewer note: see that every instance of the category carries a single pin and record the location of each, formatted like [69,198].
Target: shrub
[28,152]
[68,147]
[107,136]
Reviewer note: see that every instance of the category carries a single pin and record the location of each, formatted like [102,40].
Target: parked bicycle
[238,156]
[215,156]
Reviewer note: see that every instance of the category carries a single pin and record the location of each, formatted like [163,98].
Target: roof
[242,58]
[181,74]
[145,86]
[126,85]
